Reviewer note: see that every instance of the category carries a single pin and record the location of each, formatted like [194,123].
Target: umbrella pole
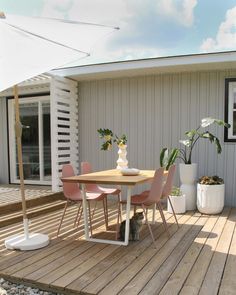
[18,127]
[24,241]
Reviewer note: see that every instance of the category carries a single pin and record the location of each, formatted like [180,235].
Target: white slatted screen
[64,127]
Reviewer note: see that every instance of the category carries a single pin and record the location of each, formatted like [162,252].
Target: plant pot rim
[210,184]
[187,164]
[177,196]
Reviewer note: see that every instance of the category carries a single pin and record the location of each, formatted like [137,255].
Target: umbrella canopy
[29,47]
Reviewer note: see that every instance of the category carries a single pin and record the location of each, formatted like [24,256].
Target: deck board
[198,258]
[197,274]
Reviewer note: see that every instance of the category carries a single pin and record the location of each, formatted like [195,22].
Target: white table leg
[86,227]
[129,190]
[85,208]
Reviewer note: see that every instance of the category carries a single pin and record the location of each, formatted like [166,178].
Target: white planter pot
[188,177]
[178,203]
[122,162]
[210,198]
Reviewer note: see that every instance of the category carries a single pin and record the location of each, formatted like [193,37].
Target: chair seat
[138,200]
[95,196]
[109,191]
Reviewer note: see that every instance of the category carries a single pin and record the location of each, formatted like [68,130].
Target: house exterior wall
[154,112]
[4,178]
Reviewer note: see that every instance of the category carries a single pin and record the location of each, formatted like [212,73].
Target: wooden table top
[113,176]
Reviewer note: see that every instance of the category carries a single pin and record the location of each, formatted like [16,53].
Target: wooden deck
[198,258]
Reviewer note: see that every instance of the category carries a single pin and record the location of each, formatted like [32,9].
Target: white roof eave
[210,61]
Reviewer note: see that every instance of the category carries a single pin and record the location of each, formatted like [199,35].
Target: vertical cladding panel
[3,142]
[109,111]
[158,122]
[149,97]
[212,110]
[141,147]
[203,111]
[166,109]
[155,111]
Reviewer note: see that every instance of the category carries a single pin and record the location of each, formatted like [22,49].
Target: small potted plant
[210,194]
[178,201]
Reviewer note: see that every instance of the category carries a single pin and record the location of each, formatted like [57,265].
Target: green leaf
[218,145]
[191,133]
[172,158]
[164,157]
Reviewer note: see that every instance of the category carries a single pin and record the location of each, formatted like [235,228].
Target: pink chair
[168,187]
[153,197]
[94,188]
[165,194]
[73,194]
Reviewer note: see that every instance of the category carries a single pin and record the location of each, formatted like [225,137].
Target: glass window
[230,109]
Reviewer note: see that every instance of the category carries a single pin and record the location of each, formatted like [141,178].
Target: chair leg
[90,219]
[173,211]
[80,215]
[105,212]
[94,209]
[120,205]
[63,214]
[163,218]
[77,214]
[149,226]
[119,218]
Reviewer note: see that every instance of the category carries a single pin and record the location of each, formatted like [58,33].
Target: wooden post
[18,128]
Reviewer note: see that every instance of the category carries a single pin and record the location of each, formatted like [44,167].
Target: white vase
[122,161]
[210,198]
[188,177]
[178,203]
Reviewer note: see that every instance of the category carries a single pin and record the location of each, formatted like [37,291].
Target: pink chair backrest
[85,169]
[69,189]
[156,187]
[169,182]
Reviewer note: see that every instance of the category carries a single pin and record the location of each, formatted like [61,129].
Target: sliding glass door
[36,140]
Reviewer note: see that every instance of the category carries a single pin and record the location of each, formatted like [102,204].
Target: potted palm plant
[178,201]
[188,170]
[210,194]
[168,157]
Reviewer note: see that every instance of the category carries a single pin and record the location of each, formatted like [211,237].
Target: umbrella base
[33,242]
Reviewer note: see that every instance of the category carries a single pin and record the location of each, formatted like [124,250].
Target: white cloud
[181,10]
[226,35]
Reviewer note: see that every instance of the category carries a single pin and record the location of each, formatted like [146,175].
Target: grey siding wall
[154,112]
[3,142]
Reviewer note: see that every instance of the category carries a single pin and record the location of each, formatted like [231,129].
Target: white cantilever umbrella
[31,46]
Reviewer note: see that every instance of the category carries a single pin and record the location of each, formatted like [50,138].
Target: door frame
[12,138]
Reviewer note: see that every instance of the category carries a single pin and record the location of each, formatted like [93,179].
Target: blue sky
[148,28]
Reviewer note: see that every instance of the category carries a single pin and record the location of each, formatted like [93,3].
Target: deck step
[11,218]
[30,203]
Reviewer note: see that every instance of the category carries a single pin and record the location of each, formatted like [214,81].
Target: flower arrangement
[108,137]
[195,134]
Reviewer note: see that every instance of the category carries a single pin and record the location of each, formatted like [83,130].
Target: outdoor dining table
[110,177]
